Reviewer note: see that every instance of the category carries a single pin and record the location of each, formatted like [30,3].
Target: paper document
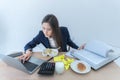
[117,61]
[69,54]
[97,54]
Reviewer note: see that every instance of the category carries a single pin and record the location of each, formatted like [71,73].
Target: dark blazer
[40,38]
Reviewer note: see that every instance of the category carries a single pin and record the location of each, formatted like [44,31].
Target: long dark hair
[53,22]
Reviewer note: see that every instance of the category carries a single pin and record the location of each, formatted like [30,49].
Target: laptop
[29,66]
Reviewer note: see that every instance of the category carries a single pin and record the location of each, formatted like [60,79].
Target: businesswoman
[51,36]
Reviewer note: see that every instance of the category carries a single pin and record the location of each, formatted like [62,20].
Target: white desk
[109,72]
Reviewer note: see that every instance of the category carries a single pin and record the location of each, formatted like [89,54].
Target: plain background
[20,21]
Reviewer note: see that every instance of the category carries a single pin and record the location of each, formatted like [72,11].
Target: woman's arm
[28,48]
[36,40]
[69,41]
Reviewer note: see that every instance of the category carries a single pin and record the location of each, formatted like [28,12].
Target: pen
[50,59]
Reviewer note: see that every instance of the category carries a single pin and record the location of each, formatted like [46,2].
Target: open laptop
[29,67]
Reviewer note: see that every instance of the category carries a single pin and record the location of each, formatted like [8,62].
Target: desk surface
[108,72]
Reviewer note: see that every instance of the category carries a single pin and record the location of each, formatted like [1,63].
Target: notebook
[97,54]
[29,67]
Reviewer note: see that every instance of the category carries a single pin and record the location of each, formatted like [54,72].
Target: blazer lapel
[47,43]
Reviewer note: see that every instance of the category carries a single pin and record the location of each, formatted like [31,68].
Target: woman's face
[47,30]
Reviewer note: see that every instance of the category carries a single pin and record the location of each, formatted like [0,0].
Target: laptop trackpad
[36,60]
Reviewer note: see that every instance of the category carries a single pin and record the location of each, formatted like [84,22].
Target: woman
[51,36]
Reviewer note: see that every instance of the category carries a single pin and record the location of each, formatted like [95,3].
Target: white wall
[20,20]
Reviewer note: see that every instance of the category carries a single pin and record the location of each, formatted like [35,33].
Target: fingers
[79,48]
[21,57]
[27,58]
[82,47]
[24,58]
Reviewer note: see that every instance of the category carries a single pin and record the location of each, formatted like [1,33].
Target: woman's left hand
[82,47]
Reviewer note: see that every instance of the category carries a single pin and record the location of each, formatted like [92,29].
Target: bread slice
[81,66]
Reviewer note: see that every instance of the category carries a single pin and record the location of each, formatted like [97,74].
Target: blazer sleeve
[36,40]
[69,41]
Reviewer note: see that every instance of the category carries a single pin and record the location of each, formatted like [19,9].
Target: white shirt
[52,42]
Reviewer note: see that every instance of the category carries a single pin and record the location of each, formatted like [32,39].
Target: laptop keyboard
[29,66]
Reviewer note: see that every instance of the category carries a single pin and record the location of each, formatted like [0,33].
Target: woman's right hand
[26,56]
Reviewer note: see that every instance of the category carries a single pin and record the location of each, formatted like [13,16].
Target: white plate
[74,67]
[53,53]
